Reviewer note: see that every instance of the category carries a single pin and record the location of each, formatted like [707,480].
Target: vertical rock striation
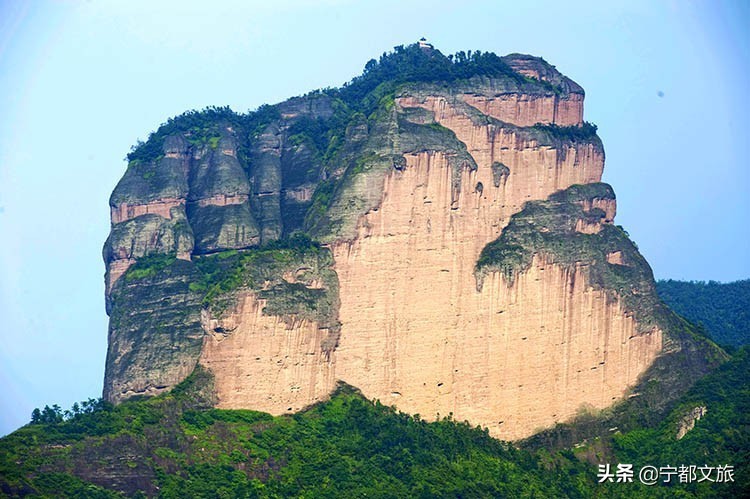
[443,243]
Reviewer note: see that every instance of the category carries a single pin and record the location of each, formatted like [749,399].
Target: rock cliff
[434,233]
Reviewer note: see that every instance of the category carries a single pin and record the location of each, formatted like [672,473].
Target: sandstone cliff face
[417,333]
[514,359]
[527,111]
[278,365]
[565,109]
[470,265]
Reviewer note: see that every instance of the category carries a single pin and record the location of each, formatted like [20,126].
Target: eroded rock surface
[444,245]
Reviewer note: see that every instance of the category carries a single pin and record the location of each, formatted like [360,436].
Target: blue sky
[80,82]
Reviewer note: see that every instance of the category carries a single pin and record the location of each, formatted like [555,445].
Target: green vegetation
[363,162]
[499,172]
[611,262]
[722,308]
[324,136]
[55,414]
[321,135]
[650,401]
[321,201]
[721,437]
[373,89]
[416,138]
[200,127]
[175,445]
[268,271]
[149,266]
[412,64]
[156,320]
[584,133]
[555,229]
[636,433]
[257,121]
[346,447]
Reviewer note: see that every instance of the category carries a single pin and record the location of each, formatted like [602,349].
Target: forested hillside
[722,308]
[169,446]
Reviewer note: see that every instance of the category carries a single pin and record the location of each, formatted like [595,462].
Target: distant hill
[722,308]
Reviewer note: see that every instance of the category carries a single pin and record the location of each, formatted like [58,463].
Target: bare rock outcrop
[688,421]
[434,233]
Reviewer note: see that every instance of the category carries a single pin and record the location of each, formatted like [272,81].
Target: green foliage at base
[345,447]
[642,435]
[722,308]
[721,437]
[175,446]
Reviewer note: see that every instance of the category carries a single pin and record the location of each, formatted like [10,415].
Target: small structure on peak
[423,44]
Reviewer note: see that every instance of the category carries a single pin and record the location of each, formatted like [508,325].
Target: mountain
[434,233]
[722,308]
[371,291]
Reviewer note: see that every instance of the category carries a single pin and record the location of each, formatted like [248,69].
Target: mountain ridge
[722,308]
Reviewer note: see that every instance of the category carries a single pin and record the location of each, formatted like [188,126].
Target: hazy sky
[80,82]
